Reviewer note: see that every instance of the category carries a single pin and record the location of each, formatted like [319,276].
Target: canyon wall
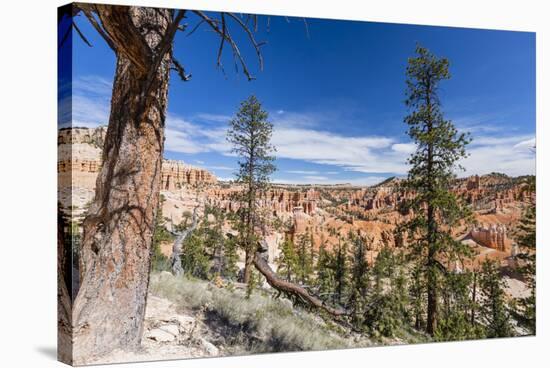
[79,153]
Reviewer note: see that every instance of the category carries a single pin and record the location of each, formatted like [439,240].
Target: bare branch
[195,27]
[180,70]
[175,259]
[307,27]
[222,41]
[97,27]
[251,38]
[81,34]
[227,37]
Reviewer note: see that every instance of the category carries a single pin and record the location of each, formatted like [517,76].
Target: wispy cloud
[510,155]
[89,105]
[302,172]
[361,181]
[304,137]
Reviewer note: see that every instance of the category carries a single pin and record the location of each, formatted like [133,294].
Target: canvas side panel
[65,193]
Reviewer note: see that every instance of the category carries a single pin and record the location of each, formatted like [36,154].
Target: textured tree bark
[117,233]
[64,304]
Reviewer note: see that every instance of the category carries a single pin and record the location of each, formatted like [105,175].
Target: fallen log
[290,288]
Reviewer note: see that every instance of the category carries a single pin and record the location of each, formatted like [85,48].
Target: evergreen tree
[325,273]
[250,134]
[493,310]
[340,267]
[455,321]
[287,262]
[159,262]
[387,307]
[417,294]
[439,147]
[526,240]
[359,280]
[231,258]
[195,259]
[305,258]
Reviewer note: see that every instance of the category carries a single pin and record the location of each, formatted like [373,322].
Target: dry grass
[257,324]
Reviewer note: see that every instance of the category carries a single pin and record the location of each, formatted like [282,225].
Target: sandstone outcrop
[493,236]
[79,163]
[175,174]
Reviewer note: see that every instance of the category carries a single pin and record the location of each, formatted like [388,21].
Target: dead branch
[180,70]
[225,37]
[290,288]
[175,259]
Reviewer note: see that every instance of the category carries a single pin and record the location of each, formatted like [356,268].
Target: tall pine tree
[439,147]
[250,134]
[493,311]
[526,240]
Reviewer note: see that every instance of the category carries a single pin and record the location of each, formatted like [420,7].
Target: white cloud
[306,172]
[315,178]
[298,136]
[217,118]
[361,181]
[227,168]
[407,148]
[510,155]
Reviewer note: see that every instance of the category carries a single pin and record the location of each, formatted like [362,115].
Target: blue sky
[335,98]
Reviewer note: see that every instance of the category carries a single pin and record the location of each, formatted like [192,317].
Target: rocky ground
[193,318]
[167,335]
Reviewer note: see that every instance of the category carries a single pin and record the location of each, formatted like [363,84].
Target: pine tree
[387,307]
[493,310]
[526,240]
[304,257]
[231,258]
[250,134]
[195,259]
[287,262]
[359,280]
[159,262]
[417,294]
[340,267]
[325,273]
[455,321]
[439,147]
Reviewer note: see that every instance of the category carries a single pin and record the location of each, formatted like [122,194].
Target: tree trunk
[175,258]
[64,281]
[116,248]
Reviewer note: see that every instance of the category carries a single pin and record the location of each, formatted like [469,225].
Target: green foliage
[325,280]
[359,280]
[527,239]
[305,256]
[195,259]
[287,262]
[159,262]
[493,308]
[231,257]
[250,135]
[455,322]
[387,309]
[439,147]
[340,267]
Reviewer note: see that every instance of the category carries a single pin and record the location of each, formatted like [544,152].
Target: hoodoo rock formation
[493,236]
[79,162]
[176,173]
